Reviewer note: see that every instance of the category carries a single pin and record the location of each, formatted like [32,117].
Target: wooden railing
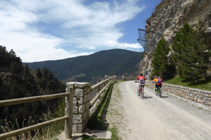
[68,118]
[99,91]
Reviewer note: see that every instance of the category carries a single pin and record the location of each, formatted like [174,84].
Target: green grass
[204,84]
[96,120]
[159,6]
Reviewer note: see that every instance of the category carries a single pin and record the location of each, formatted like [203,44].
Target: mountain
[85,68]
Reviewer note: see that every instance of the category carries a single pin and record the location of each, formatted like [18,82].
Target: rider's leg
[156,87]
[139,88]
[160,87]
[143,88]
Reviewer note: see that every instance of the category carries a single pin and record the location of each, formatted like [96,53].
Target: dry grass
[45,133]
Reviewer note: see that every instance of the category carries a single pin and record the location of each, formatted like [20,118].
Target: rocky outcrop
[167,19]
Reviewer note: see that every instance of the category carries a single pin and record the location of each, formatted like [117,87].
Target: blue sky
[42,30]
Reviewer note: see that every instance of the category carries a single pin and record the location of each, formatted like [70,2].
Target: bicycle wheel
[156,92]
[142,95]
[138,91]
[159,92]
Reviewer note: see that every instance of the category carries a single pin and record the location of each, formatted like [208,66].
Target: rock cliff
[168,18]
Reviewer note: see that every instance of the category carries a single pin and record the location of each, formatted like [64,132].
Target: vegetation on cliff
[191,52]
[190,55]
[161,62]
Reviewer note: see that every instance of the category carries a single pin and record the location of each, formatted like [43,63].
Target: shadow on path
[164,96]
[147,97]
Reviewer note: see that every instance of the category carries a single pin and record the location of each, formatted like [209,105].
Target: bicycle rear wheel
[156,92]
[142,95]
[138,91]
[159,92]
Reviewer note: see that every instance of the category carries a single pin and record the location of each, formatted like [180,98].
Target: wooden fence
[68,118]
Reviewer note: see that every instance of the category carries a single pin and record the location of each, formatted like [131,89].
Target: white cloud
[48,29]
[92,48]
[113,43]
[73,51]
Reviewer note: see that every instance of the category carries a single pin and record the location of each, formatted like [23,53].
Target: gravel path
[154,118]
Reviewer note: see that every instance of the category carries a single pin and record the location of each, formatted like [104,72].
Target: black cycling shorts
[158,86]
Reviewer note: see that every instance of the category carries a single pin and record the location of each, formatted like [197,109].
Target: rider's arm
[137,80]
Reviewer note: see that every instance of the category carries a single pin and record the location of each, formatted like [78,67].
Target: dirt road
[154,118]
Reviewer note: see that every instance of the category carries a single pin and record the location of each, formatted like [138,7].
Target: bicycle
[140,91]
[158,92]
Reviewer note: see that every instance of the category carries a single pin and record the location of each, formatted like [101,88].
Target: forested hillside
[84,68]
[17,81]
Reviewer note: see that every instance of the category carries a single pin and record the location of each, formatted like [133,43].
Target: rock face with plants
[167,19]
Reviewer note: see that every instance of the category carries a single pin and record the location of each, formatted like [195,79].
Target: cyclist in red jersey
[141,80]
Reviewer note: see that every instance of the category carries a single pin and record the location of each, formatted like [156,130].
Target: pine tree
[190,52]
[26,71]
[38,73]
[16,68]
[160,61]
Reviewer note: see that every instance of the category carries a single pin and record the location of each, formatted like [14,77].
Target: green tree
[45,73]
[26,71]
[50,76]
[19,83]
[2,55]
[16,68]
[38,73]
[160,60]
[191,52]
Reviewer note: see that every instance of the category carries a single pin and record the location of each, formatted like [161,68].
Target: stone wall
[82,101]
[196,95]
[81,105]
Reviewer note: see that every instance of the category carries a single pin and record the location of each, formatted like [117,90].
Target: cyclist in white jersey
[141,80]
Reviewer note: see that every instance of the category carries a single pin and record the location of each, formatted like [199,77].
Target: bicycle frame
[141,91]
[159,91]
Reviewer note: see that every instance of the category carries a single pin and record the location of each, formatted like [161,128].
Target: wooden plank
[31,99]
[30,128]
[98,84]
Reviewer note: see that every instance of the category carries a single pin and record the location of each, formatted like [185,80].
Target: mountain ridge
[99,64]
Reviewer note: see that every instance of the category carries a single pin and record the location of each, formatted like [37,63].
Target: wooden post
[99,88]
[123,77]
[69,112]
[209,20]
[115,79]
